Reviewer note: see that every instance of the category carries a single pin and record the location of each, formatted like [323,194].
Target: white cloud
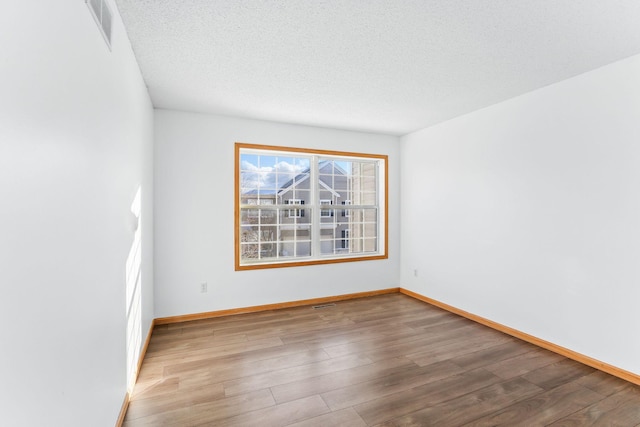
[271,177]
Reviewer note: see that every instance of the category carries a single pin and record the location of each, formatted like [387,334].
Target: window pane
[302,163]
[370,245]
[303,249]
[284,180]
[269,173]
[325,167]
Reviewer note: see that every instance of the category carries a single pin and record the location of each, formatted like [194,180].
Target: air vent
[103,17]
[317,307]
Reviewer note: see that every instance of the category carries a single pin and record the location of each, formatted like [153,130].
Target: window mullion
[315,211]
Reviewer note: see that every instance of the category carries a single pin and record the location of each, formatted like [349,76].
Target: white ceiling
[390,66]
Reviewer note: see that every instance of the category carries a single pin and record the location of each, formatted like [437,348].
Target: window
[295,213]
[345,212]
[282,216]
[326,212]
[345,239]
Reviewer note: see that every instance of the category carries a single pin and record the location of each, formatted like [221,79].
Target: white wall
[194,159]
[75,145]
[528,213]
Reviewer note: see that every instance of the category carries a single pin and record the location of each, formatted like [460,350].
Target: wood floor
[388,360]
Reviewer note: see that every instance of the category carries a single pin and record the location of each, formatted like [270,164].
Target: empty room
[320,213]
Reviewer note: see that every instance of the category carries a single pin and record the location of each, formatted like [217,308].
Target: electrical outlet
[204,287]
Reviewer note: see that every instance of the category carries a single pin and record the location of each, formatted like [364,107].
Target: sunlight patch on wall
[133,294]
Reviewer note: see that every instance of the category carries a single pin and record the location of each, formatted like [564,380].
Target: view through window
[297,206]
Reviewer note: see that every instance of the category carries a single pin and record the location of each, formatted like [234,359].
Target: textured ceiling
[369,65]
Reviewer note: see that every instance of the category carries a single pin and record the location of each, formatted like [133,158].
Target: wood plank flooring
[388,360]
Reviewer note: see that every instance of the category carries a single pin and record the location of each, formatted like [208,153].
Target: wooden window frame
[383,208]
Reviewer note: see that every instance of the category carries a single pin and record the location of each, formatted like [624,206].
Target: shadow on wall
[133,294]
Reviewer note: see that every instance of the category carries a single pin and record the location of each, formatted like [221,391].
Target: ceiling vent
[103,17]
